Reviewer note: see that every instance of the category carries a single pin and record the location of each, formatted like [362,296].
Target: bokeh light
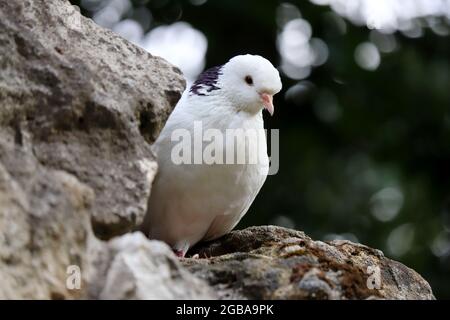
[299,52]
[400,240]
[386,203]
[179,43]
[367,56]
[388,15]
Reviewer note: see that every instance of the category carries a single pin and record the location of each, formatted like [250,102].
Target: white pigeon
[194,202]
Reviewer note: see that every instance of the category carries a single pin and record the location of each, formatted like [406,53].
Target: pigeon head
[250,82]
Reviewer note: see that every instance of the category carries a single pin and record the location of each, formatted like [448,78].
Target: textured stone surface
[79,108]
[276,263]
[87,101]
[133,267]
[44,225]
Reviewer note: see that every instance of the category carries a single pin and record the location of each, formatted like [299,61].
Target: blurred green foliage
[348,133]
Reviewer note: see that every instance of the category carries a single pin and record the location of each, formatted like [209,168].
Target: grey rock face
[44,225]
[271,262]
[87,102]
[79,108]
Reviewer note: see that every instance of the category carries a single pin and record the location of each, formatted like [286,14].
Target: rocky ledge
[270,262]
[79,110]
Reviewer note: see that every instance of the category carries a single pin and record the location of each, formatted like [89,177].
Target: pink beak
[267,100]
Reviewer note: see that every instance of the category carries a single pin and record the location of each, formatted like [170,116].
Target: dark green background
[393,128]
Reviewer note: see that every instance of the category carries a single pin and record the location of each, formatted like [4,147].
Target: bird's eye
[249,80]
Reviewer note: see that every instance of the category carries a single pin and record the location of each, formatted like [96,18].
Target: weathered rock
[88,102]
[44,225]
[276,263]
[133,267]
[79,108]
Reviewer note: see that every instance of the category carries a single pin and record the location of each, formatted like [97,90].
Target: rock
[44,225]
[133,267]
[87,102]
[79,109]
[271,262]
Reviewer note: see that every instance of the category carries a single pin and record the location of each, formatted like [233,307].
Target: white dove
[194,202]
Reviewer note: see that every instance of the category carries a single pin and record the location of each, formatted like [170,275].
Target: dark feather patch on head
[207,81]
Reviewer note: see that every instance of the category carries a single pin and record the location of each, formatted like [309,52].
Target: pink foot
[179,253]
[180,248]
